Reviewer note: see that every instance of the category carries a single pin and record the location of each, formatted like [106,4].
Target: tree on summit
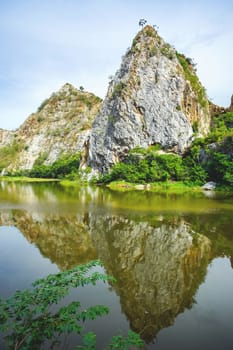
[142,22]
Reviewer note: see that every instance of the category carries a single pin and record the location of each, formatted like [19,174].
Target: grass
[24,179]
[118,88]
[171,187]
[71,183]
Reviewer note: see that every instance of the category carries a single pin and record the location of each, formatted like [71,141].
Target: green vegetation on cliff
[147,165]
[208,159]
[217,150]
[191,76]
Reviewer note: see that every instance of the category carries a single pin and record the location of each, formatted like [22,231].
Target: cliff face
[61,125]
[154,98]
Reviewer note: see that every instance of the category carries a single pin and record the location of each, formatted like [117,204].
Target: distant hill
[61,125]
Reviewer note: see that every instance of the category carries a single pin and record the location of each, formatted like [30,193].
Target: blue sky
[46,43]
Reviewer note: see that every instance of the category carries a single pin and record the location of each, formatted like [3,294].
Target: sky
[46,43]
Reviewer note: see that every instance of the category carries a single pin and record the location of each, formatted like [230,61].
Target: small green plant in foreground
[29,318]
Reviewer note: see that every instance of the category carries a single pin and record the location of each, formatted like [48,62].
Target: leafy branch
[27,319]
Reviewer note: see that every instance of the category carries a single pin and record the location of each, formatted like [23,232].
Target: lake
[172,257]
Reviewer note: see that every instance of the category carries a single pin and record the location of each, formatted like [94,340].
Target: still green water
[172,256]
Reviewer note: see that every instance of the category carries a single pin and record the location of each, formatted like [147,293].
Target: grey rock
[145,105]
[209,186]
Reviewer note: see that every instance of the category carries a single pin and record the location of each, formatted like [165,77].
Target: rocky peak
[154,98]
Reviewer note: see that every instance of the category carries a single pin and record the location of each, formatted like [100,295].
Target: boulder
[209,186]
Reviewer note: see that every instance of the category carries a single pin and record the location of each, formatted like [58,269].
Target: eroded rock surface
[154,98]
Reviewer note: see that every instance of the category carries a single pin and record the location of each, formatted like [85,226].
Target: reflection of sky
[217,292]
[20,262]
[208,325]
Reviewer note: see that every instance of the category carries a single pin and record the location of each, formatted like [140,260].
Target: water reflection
[159,256]
[219,229]
[158,268]
[63,239]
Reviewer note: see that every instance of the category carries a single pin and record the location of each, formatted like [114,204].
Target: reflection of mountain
[47,196]
[219,229]
[158,268]
[63,239]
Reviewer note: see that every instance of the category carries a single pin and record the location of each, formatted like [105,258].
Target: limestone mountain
[154,98]
[61,125]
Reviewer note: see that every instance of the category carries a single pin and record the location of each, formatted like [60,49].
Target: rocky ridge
[154,98]
[61,125]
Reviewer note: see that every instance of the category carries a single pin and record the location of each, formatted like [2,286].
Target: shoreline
[176,187]
[26,179]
